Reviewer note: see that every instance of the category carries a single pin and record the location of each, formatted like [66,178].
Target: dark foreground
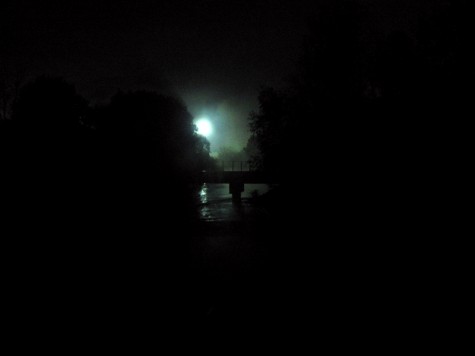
[292,280]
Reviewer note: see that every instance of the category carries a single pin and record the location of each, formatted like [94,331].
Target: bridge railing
[241,172]
[235,166]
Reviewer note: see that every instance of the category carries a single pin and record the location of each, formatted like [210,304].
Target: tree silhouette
[113,160]
[379,121]
[154,131]
[50,105]
[100,195]
[375,114]
[269,127]
[201,159]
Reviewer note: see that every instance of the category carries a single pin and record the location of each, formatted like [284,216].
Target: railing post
[236,188]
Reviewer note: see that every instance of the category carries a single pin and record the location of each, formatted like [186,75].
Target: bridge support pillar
[236,188]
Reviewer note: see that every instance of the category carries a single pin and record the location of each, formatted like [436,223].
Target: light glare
[204,127]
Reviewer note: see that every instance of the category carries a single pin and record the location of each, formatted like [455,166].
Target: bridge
[236,174]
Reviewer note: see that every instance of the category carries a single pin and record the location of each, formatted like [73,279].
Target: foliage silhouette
[101,200]
[123,168]
[362,103]
[367,134]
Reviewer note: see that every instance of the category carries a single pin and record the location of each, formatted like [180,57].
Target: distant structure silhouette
[236,174]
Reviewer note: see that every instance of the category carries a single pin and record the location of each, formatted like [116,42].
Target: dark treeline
[139,146]
[97,199]
[365,139]
[357,88]
[374,115]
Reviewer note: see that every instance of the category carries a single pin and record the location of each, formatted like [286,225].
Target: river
[215,203]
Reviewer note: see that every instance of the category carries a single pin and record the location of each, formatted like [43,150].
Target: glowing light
[204,127]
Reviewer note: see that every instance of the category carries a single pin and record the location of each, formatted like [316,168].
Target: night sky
[215,55]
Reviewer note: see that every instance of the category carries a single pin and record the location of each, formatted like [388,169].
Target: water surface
[215,203]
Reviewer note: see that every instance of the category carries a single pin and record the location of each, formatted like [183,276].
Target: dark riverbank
[332,272]
[216,282]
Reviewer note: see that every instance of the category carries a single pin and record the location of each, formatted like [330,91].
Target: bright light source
[204,127]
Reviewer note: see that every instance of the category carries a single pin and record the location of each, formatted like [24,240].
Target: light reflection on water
[215,203]
[204,194]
